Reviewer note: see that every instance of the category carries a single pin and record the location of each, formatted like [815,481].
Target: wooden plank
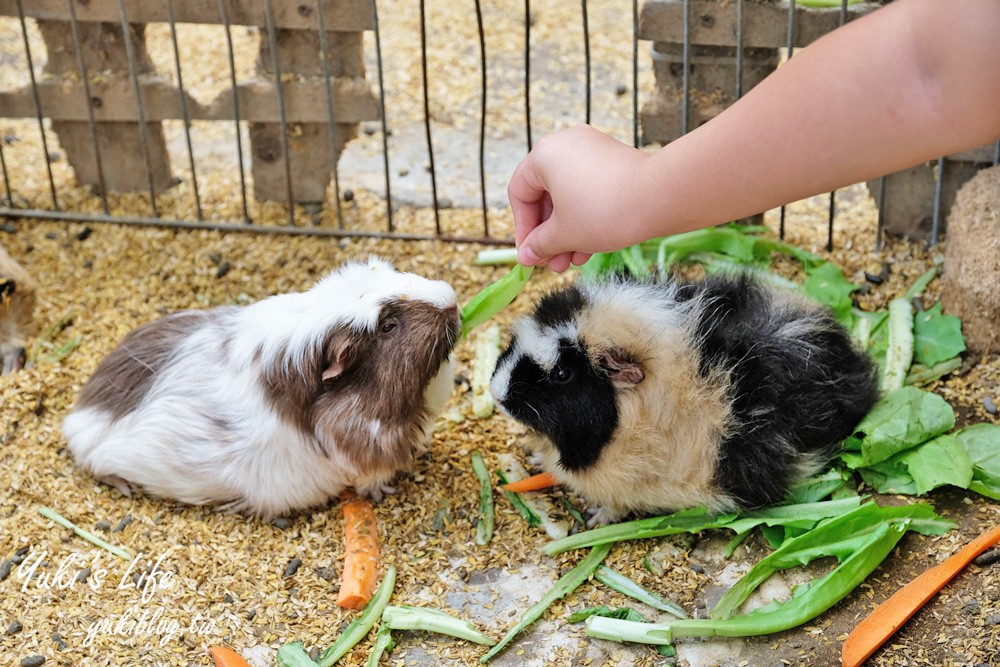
[764,24]
[114,101]
[339,15]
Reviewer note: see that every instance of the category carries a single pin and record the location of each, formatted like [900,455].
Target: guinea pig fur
[647,396]
[275,406]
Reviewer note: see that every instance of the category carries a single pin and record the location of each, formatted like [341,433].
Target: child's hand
[576,193]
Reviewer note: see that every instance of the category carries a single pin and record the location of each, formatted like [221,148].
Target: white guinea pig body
[275,406]
[654,396]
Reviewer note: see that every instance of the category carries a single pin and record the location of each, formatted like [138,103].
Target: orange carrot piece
[227,657]
[542,480]
[361,554]
[889,616]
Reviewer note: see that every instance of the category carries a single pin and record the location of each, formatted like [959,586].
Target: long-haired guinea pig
[275,406]
[652,396]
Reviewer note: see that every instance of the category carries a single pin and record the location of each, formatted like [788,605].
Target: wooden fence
[303,105]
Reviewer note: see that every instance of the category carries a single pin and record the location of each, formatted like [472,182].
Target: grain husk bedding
[246,583]
[205,577]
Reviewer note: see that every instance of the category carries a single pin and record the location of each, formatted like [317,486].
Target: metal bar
[385,126]
[791,49]
[996,154]
[272,39]
[880,228]
[527,71]
[938,189]
[234,92]
[331,125]
[133,69]
[686,75]
[739,49]
[832,211]
[635,73]
[92,126]
[38,103]
[240,227]
[482,118]
[427,115]
[8,195]
[184,107]
[586,57]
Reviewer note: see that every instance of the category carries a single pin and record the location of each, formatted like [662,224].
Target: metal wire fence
[310,93]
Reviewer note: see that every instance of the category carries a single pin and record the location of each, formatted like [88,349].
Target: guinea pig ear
[621,369]
[337,350]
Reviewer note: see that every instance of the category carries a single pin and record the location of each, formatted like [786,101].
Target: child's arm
[910,82]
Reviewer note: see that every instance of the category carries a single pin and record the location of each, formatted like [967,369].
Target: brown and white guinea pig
[279,405]
[17,303]
[654,396]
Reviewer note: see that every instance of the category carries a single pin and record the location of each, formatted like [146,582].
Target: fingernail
[527,256]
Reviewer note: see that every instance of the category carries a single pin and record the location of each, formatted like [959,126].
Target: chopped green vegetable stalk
[433,620]
[293,654]
[528,514]
[623,613]
[85,534]
[359,627]
[539,507]
[567,583]
[802,516]
[899,354]
[801,608]
[622,584]
[487,346]
[920,375]
[484,528]
[383,642]
[496,256]
[494,297]
[921,283]
[839,537]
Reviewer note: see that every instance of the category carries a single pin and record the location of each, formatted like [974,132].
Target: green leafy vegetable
[936,337]
[697,519]
[826,284]
[916,471]
[624,585]
[484,527]
[360,627]
[568,583]
[494,297]
[809,603]
[432,620]
[383,642]
[982,444]
[293,654]
[859,540]
[903,419]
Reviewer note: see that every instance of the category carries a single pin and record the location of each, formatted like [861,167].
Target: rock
[972,272]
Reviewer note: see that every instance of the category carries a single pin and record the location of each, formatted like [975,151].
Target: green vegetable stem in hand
[494,297]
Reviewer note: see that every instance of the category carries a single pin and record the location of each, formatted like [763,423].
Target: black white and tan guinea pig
[651,396]
[17,304]
[275,406]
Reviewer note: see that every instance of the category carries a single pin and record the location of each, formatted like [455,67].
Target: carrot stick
[227,657]
[889,616]
[542,480]
[361,554]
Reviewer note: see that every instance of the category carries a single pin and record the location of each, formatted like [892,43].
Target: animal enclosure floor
[254,585]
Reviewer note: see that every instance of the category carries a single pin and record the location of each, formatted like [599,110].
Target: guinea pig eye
[561,375]
[388,326]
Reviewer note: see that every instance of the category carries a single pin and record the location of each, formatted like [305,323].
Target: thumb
[541,243]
